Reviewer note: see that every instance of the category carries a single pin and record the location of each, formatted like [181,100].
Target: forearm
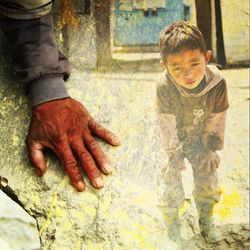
[36,58]
[166,120]
[167,124]
[170,142]
[213,134]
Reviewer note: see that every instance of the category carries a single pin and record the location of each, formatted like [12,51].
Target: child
[192,99]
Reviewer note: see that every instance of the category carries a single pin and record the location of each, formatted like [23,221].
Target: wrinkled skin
[66,127]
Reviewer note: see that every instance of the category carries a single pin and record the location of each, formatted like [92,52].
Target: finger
[215,165]
[211,167]
[205,167]
[103,133]
[217,159]
[66,156]
[88,164]
[36,157]
[100,158]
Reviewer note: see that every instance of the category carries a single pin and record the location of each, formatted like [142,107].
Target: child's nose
[187,74]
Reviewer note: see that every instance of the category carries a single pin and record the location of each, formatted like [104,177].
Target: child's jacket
[200,116]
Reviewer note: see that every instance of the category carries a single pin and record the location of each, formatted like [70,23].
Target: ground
[231,213]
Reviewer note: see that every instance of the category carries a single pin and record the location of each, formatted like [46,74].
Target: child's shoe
[208,229]
[173,226]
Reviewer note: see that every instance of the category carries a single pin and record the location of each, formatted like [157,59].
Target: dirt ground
[232,213]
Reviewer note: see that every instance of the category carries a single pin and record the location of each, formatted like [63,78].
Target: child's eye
[177,69]
[194,64]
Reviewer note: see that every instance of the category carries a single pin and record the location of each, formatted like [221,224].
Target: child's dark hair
[178,36]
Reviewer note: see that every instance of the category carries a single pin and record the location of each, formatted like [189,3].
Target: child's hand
[212,141]
[176,159]
[209,162]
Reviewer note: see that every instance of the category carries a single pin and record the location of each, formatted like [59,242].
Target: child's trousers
[206,189]
[205,178]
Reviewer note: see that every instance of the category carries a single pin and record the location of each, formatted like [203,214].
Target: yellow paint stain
[149,245]
[121,214]
[237,162]
[15,140]
[52,202]
[67,225]
[82,58]
[64,182]
[138,169]
[90,211]
[137,236]
[147,219]
[143,229]
[90,197]
[140,200]
[60,37]
[35,198]
[90,245]
[184,208]
[229,202]
[106,204]
[78,245]
[79,215]
[60,212]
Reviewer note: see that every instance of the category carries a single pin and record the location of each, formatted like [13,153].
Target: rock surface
[17,229]
[123,215]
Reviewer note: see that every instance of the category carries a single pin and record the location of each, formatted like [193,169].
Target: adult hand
[66,127]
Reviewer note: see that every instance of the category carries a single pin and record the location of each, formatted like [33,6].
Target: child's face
[187,67]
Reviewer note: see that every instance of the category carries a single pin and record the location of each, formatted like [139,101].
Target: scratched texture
[123,215]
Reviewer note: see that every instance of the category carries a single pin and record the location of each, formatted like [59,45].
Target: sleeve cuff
[47,88]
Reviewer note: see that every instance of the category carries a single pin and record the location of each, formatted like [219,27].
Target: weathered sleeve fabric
[35,56]
[25,9]
[166,117]
[214,128]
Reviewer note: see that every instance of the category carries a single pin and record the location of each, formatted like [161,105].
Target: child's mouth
[190,82]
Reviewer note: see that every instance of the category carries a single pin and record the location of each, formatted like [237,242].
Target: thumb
[36,157]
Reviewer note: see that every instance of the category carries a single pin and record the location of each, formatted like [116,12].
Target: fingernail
[98,182]
[80,186]
[108,168]
[117,140]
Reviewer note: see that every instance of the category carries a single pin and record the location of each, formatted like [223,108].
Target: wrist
[212,141]
[47,88]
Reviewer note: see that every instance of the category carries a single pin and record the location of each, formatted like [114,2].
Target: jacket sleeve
[36,58]
[213,135]
[214,130]
[166,119]
[164,99]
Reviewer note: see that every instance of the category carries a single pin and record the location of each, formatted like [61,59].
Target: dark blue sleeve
[36,58]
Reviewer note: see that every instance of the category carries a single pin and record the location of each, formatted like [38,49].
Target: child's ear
[162,64]
[208,56]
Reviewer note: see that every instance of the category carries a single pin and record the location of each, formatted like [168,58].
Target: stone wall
[79,44]
[235,22]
